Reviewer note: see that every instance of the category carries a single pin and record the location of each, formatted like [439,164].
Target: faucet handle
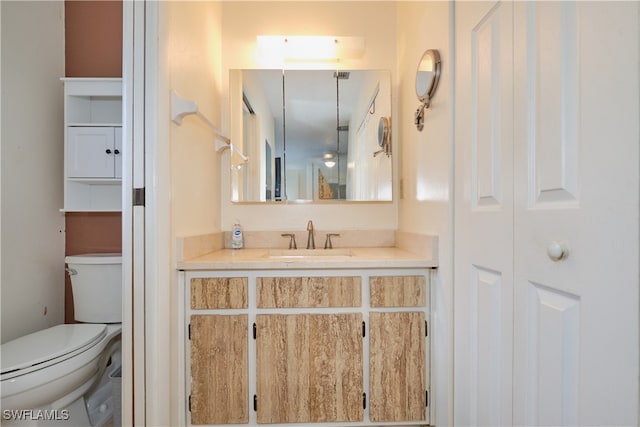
[327,242]
[292,240]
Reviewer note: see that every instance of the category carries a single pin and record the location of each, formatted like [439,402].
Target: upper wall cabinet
[93,144]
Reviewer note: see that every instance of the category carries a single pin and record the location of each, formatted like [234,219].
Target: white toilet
[60,375]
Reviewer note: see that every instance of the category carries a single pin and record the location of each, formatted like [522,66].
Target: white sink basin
[307,253]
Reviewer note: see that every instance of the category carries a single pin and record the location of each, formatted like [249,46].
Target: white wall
[32,166]
[426,167]
[243,21]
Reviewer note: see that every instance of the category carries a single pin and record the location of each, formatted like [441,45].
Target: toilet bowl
[48,376]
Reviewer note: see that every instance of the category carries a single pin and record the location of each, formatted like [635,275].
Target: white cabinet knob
[557,251]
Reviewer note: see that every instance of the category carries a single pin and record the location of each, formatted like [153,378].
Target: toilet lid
[48,344]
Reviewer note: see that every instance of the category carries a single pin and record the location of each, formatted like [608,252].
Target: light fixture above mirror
[427,78]
[310,48]
[329,159]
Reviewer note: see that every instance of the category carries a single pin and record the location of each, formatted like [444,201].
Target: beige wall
[243,21]
[426,172]
[193,53]
[189,63]
[32,165]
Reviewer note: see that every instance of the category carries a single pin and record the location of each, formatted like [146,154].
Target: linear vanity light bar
[310,48]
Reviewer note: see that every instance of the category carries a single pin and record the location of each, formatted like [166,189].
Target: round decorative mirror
[427,78]
[383,131]
[384,136]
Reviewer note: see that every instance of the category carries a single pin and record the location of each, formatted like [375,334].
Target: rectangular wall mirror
[310,135]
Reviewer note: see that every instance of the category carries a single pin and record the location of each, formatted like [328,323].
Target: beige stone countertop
[278,259]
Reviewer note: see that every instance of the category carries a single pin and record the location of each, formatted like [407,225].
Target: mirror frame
[425,98]
[434,56]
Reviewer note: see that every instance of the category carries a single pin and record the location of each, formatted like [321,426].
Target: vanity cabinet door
[219,369]
[309,368]
[219,349]
[215,293]
[398,291]
[315,291]
[397,366]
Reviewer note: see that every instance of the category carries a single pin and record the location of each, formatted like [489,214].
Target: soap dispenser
[237,241]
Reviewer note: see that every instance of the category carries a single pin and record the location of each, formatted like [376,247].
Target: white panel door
[576,186]
[484,214]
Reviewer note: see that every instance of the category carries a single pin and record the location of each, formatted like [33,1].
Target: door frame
[146,225]
[133,390]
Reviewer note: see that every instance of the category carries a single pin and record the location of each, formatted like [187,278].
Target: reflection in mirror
[384,136]
[314,131]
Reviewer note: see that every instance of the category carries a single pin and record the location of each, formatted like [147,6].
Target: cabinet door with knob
[94,152]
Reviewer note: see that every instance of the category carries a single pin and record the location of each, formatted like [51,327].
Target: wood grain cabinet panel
[219,293]
[397,366]
[398,291]
[307,357]
[219,369]
[291,292]
[309,368]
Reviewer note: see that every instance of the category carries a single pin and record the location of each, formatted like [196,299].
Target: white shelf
[96,181]
[91,103]
[90,210]
[86,125]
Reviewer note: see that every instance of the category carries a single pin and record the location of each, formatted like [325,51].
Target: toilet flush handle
[71,271]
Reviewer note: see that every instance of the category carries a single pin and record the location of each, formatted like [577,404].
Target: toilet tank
[96,283]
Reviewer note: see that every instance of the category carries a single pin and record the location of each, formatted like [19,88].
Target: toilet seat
[61,376]
[47,347]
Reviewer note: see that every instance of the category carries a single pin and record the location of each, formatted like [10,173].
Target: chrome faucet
[311,244]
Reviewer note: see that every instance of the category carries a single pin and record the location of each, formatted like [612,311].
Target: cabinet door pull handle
[108,151]
[117,151]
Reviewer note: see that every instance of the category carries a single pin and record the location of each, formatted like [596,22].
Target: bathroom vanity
[297,336]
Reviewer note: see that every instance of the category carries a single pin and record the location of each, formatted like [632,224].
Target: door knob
[557,251]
